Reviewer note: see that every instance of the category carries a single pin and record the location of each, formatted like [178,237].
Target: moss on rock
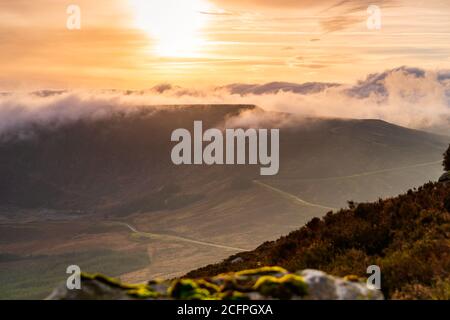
[251,284]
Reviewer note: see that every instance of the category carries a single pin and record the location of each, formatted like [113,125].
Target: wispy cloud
[406,96]
[251,39]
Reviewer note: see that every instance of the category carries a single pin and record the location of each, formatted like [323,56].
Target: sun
[175,25]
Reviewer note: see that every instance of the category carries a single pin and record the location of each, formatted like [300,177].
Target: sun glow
[175,25]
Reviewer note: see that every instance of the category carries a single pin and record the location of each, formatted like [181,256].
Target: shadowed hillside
[121,164]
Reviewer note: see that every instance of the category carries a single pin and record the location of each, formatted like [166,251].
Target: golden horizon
[136,44]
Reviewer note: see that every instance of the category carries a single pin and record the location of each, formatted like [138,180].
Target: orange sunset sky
[135,44]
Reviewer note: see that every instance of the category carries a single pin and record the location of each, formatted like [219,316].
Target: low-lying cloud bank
[409,97]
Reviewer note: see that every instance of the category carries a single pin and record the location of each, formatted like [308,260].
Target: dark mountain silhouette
[122,163]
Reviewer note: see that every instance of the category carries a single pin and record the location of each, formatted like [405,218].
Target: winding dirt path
[178,238]
[362,174]
[291,196]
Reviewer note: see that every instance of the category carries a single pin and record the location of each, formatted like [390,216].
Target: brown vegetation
[407,236]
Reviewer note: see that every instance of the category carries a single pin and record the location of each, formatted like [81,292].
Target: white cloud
[405,98]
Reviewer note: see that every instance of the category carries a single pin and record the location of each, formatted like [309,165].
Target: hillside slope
[407,236]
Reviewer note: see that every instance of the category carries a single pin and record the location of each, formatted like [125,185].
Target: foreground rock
[256,284]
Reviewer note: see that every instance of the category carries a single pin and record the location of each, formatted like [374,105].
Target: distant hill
[275,87]
[118,163]
[121,164]
[407,236]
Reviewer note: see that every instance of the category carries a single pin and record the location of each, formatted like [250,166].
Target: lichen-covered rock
[254,284]
[323,286]
[100,287]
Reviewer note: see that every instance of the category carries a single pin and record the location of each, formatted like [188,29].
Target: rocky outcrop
[254,284]
[445,178]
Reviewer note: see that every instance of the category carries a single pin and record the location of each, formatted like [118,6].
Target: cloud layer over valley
[409,97]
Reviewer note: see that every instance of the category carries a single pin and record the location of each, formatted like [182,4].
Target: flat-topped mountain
[121,163]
